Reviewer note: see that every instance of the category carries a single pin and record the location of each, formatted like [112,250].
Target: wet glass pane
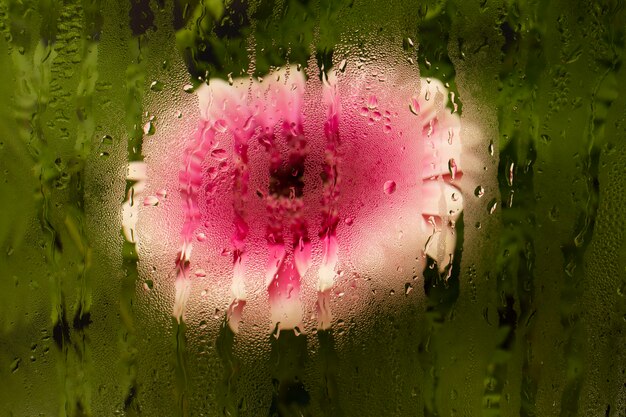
[312,208]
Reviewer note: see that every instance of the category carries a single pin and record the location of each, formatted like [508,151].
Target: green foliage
[220,39]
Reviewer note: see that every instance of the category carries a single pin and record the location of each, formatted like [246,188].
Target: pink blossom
[295,179]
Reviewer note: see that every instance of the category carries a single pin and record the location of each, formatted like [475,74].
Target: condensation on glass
[318,208]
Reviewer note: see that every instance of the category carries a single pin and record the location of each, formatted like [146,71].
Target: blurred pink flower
[311,174]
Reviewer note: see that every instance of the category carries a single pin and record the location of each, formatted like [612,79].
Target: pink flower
[298,180]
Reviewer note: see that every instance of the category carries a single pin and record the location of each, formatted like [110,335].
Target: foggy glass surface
[452,246]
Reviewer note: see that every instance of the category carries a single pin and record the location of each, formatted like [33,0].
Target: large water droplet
[342,65]
[150,201]
[414,106]
[148,128]
[510,173]
[452,168]
[219,154]
[107,140]
[372,102]
[156,86]
[408,288]
[389,187]
[220,126]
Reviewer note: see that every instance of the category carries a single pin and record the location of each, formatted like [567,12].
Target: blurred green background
[533,322]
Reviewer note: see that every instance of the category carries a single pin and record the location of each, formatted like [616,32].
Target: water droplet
[454,394]
[200,273]
[389,187]
[230,78]
[491,207]
[249,124]
[410,41]
[219,154]
[452,168]
[201,237]
[387,129]
[408,288]
[188,88]
[491,148]
[104,155]
[15,365]
[511,172]
[479,191]
[414,106]
[162,193]
[372,102]
[342,65]
[148,128]
[212,173]
[210,188]
[553,214]
[220,126]
[150,201]
[156,86]
[455,106]
[148,284]
[107,140]
[349,221]
[376,115]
